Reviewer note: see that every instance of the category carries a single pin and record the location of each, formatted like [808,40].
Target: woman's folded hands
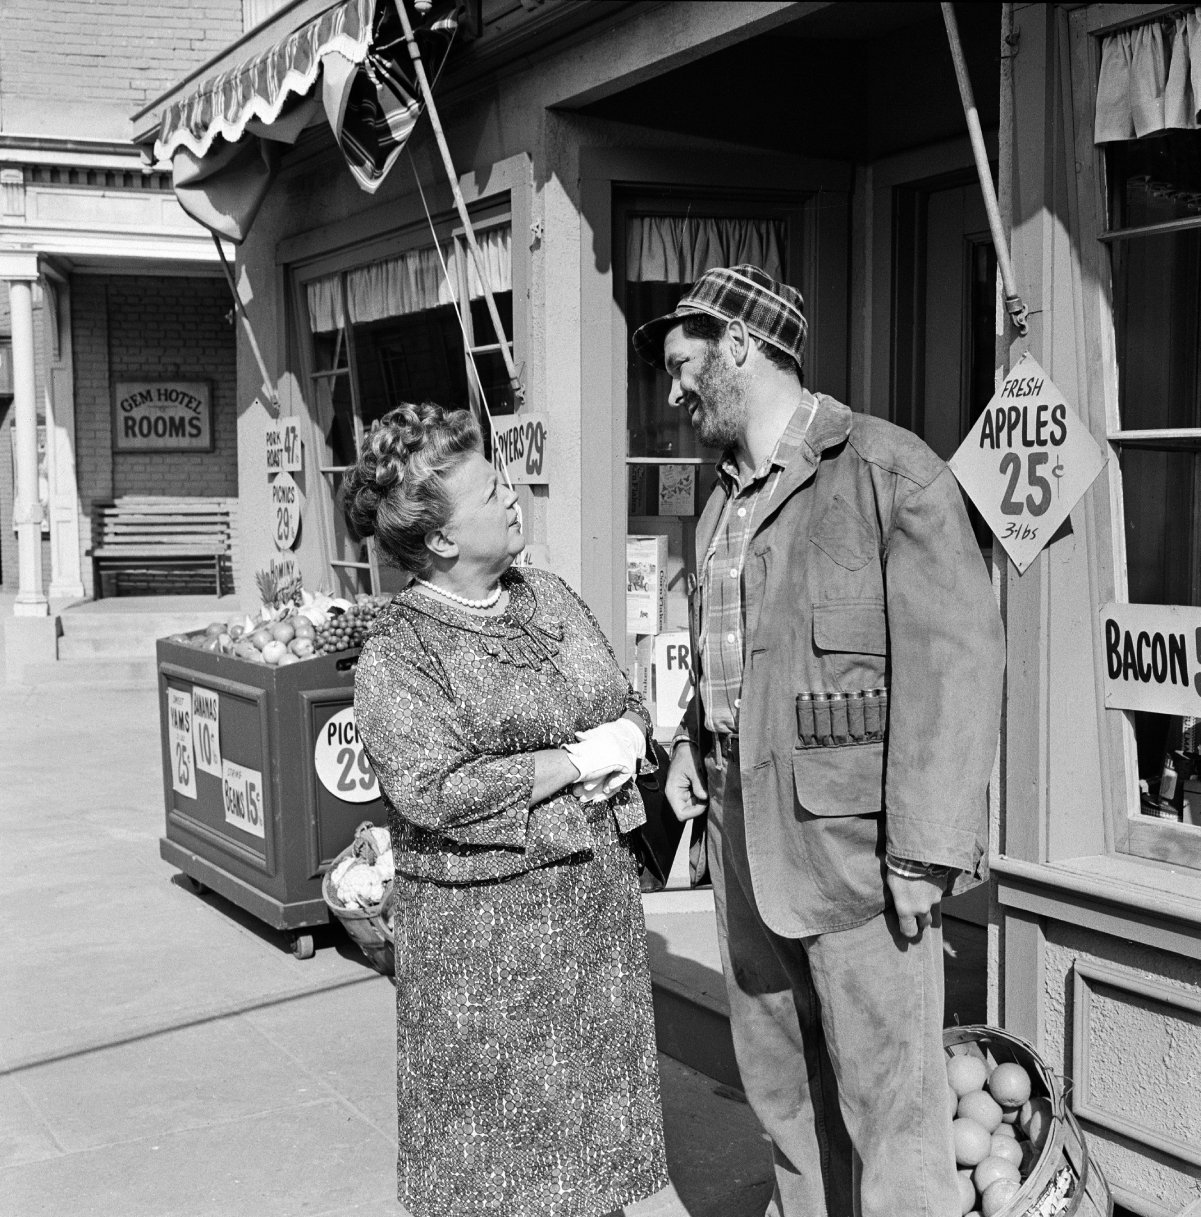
[607,757]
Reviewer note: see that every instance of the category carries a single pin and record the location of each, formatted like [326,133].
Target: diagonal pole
[1013,302]
[452,177]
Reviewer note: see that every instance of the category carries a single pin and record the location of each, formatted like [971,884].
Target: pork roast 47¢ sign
[1027,461]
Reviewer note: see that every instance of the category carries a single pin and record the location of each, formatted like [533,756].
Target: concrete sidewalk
[165,1055]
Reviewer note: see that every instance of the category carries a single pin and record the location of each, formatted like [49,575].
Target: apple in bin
[284,631]
[274,651]
[301,646]
[260,637]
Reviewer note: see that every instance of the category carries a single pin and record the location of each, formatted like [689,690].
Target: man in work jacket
[841,736]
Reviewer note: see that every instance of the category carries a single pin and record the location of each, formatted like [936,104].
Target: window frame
[491,210]
[1133,834]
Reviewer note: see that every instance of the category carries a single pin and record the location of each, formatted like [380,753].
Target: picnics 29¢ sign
[1152,657]
[162,416]
[1027,461]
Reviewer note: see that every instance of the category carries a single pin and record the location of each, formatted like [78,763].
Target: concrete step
[109,673]
[130,635]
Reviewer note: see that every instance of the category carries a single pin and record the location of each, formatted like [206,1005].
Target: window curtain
[410,283]
[1150,79]
[679,249]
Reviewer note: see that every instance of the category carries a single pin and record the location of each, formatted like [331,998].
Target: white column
[66,578]
[21,271]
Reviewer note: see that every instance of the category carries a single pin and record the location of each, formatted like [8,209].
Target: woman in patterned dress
[527,1081]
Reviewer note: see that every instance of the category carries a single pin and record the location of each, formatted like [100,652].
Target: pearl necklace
[484,602]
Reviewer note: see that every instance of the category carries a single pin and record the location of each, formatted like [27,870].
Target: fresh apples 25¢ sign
[1027,461]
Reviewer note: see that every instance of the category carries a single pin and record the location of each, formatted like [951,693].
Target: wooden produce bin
[264,779]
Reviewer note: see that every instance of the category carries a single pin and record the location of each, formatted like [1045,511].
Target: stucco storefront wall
[149,328]
[1126,1021]
[569,334]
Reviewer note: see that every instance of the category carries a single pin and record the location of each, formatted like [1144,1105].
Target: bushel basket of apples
[1018,1147]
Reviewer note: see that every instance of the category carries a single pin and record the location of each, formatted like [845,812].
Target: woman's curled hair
[396,491]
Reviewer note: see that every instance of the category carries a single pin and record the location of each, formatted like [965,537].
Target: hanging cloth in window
[409,283]
[679,249]
[224,139]
[1150,79]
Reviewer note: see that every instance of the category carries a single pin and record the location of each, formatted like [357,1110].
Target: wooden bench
[145,535]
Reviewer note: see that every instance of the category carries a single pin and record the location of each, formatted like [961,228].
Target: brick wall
[108,56]
[142,327]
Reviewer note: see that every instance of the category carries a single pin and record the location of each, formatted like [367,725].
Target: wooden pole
[469,232]
[1013,302]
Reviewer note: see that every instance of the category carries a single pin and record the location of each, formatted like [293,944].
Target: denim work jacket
[862,577]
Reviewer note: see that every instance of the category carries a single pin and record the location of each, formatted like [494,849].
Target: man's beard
[719,409]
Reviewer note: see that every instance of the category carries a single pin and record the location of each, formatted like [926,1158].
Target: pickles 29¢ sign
[162,416]
[1027,461]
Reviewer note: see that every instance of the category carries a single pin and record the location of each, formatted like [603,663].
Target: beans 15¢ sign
[1027,461]
[162,416]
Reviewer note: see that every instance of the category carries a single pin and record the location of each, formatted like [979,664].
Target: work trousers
[838,1039]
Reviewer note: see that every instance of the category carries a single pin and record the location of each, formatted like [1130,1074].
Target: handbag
[655,843]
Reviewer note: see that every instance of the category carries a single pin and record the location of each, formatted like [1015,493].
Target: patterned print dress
[527,1080]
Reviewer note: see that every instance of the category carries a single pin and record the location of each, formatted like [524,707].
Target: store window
[412,326]
[669,240]
[1153,186]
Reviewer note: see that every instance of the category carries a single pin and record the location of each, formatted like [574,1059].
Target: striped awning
[224,138]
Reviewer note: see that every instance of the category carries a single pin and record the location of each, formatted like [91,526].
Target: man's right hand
[685,787]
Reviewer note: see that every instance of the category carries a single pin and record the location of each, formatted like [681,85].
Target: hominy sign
[162,416]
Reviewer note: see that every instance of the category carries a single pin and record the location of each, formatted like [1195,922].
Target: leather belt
[727,745]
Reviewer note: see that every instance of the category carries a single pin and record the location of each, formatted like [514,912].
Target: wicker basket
[1064,1180]
[370,929]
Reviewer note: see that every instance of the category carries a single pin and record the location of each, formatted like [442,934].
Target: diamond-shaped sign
[1027,461]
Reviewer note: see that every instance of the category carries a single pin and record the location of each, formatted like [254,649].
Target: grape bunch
[349,629]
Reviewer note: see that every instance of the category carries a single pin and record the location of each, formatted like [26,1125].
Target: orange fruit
[1009,1084]
[992,1169]
[981,1107]
[998,1196]
[1034,1120]
[966,1073]
[967,1193]
[1010,1117]
[1005,1147]
[952,1102]
[971,1141]
[1005,1129]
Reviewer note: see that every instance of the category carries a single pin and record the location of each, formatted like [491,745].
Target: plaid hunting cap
[772,311]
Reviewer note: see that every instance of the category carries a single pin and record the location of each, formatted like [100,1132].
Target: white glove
[607,757]
[597,790]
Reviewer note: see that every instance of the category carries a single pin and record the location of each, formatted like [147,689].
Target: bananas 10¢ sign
[1027,461]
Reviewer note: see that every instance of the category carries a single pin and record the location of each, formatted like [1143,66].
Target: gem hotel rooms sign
[162,416]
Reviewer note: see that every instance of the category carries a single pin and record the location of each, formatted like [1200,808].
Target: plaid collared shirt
[721,572]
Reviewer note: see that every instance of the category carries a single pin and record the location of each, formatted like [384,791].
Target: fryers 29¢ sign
[162,416]
[519,447]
